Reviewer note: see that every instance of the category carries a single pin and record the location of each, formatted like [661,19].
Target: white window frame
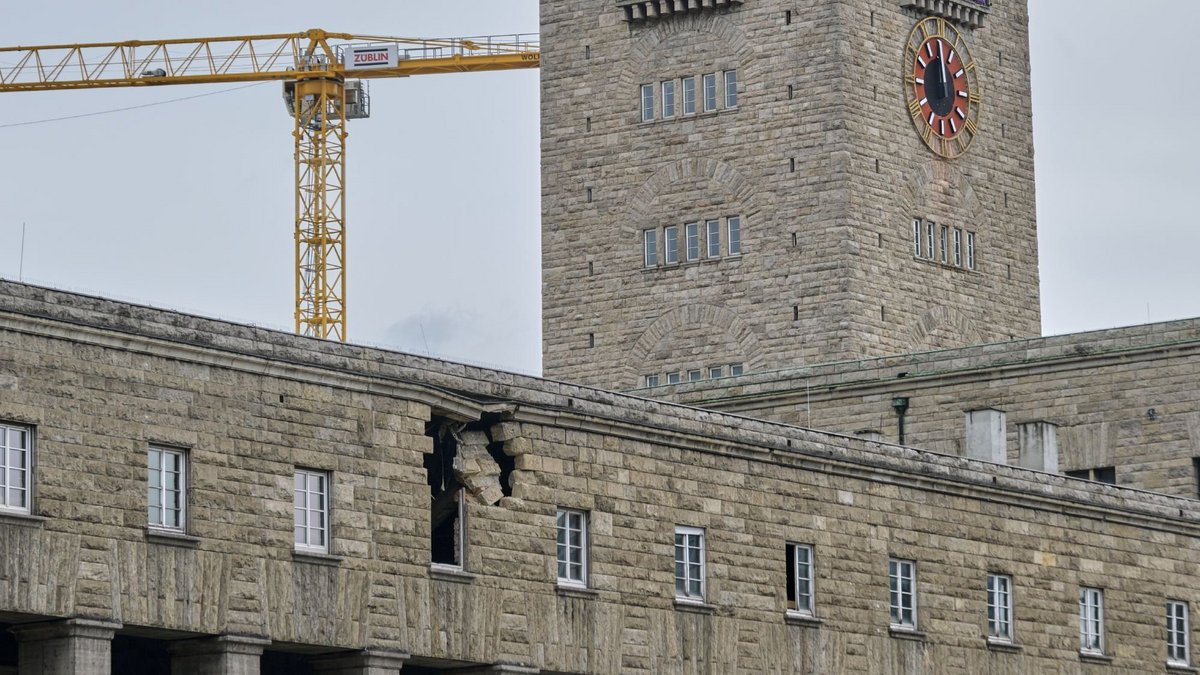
[1091,620]
[650,248]
[647,102]
[957,247]
[713,238]
[802,573]
[1179,626]
[970,250]
[710,91]
[651,381]
[692,241]
[733,231]
[670,244]
[668,99]
[902,604]
[689,95]
[673,378]
[944,240]
[930,242]
[315,538]
[156,482]
[716,372]
[1000,607]
[572,555]
[688,539]
[735,369]
[16,499]
[918,245]
[695,375]
[731,94]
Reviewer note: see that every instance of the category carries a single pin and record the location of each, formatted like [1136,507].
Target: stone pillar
[986,438]
[370,662]
[222,655]
[71,647]
[1039,446]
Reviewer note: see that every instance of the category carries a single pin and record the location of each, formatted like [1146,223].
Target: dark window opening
[1196,473]
[791,576]
[446,493]
[506,463]
[278,663]
[139,655]
[8,647]
[787,17]
[1105,474]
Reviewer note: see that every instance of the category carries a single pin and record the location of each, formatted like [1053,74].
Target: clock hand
[942,61]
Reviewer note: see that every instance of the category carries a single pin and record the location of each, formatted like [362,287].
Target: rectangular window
[650,247]
[689,563]
[672,378]
[902,593]
[731,89]
[1000,607]
[800,578]
[716,372]
[710,92]
[1091,620]
[944,239]
[1177,633]
[647,102]
[651,381]
[957,247]
[694,375]
[16,449]
[1104,474]
[166,481]
[668,99]
[689,96]
[572,547]
[970,250]
[714,238]
[918,246]
[312,510]
[930,243]
[693,240]
[735,370]
[735,235]
[671,244]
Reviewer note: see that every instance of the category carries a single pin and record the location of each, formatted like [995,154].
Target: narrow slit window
[447,505]
[710,92]
[918,246]
[668,99]
[650,248]
[714,238]
[930,243]
[731,93]
[957,247]
[693,241]
[689,96]
[970,250]
[647,102]
[671,245]
[943,240]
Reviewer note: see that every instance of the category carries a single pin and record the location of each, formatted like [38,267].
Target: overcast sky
[188,204]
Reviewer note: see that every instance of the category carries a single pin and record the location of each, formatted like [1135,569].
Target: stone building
[190,496]
[742,183]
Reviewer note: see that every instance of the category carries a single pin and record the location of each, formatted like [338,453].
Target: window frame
[668,99]
[326,531]
[999,599]
[568,580]
[970,250]
[733,234]
[795,578]
[688,90]
[1174,633]
[712,238]
[736,370]
[1091,613]
[647,102]
[729,82]
[650,247]
[958,252]
[182,488]
[673,378]
[691,236]
[930,241]
[918,243]
[716,372]
[26,470]
[897,594]
[671,245]
[687,595]
[709,83]
[650,381]
[943,240]
[695,375]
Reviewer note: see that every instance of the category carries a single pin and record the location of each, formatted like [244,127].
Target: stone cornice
[970,13]
[471,392]
[643,10]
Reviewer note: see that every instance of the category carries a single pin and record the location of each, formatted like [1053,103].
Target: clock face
[942,87]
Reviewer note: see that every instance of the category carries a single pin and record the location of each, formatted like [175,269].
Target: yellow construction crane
[313,66]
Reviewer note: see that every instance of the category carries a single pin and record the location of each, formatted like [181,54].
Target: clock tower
[731,186]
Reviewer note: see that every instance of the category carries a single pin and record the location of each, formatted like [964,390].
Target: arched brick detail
[931,180]
[705,174]
[641,64]
[719,319]
[947,319]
